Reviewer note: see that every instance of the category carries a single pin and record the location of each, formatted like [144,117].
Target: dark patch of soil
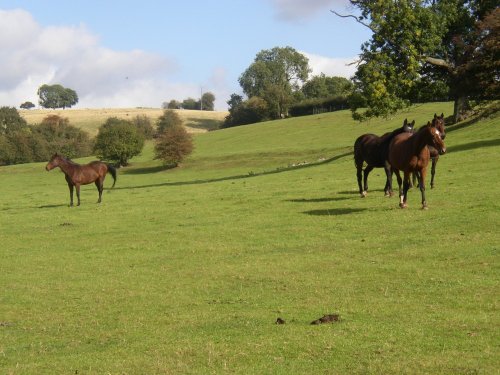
[330,318]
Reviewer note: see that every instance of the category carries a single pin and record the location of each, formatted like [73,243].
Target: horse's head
[408,126]
[54,162]
[436,138]
[438,123]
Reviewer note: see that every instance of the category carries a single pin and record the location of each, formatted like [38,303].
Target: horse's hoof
[403,205]
[364,194]
[425,208]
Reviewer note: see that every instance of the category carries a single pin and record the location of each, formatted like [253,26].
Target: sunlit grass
[186,270]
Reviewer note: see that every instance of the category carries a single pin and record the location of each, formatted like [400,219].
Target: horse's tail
[358,157]
[112,170]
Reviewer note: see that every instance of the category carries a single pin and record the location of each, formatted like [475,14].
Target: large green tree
[57,96]
[118,140]
[275,75]
[323,86]
[413,39]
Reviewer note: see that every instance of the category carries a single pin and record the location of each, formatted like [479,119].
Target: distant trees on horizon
[206,103]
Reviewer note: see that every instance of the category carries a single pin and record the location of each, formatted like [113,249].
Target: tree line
[117,141]
[420,51]
[205,103]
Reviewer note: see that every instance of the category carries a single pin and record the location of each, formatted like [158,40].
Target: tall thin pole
[201,98]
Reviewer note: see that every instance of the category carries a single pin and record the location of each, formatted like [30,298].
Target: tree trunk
[460,109]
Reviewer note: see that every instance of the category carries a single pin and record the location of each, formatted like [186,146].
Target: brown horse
[373,150]
[438,122]
[77,174]
[410,154]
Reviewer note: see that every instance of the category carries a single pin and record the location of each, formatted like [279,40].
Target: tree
[324,87]
[118,141]
[144,126]
[27,105]
[56,96]
[190,103]
[246,112]
[173,145]
[207,101]
[11,121]
[173,104]
[416,38]
[274,76]
[59,136]
[168,119]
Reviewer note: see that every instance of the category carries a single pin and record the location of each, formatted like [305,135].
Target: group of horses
[403,150]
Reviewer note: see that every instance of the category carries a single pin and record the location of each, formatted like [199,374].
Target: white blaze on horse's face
[437,133]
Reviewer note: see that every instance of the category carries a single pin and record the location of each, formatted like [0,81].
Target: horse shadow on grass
[317,200]
[474,145]
[53,205]
[227,178]
[334,211]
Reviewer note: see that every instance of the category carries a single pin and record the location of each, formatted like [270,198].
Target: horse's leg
[359,171]
[433,170]
[99,183]
[421,183]
[388,183]
[406,187]
[70,186]
[77,186]
[400,182]
[367,171]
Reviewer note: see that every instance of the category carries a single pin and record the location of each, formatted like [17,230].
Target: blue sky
[143,53]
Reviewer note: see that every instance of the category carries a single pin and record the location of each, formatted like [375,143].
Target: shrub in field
[118,141]
[144,126]
[168,119]
[11,121]
[62,137]
[173,145]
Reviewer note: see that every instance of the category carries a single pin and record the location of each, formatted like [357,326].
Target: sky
[144,53]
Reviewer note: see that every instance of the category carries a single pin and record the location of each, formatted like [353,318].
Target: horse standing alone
[77,175]
[410,153]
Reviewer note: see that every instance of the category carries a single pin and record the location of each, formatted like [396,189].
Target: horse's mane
[68,160]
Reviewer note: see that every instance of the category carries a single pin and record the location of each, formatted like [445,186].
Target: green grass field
[185,271]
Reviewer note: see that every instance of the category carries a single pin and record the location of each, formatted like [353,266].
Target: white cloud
[339,67]
[296,10]
[32,55]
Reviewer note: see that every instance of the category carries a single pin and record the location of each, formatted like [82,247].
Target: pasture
[185,271]
[91,119]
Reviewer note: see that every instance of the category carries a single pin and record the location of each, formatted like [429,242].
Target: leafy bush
[169,119]
[314,106]
[118,141]
[246,112]
[144,126]
[173,145]
[62,137]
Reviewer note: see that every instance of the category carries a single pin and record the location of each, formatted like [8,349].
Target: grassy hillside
[186,270]
[90,119]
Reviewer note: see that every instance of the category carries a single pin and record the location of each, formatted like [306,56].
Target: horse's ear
[429,123]
[435,115]
[413,123]
[442,115]
[405,122]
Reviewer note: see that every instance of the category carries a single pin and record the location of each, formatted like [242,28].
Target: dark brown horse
[410,153]
[77,175]
[374,150]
